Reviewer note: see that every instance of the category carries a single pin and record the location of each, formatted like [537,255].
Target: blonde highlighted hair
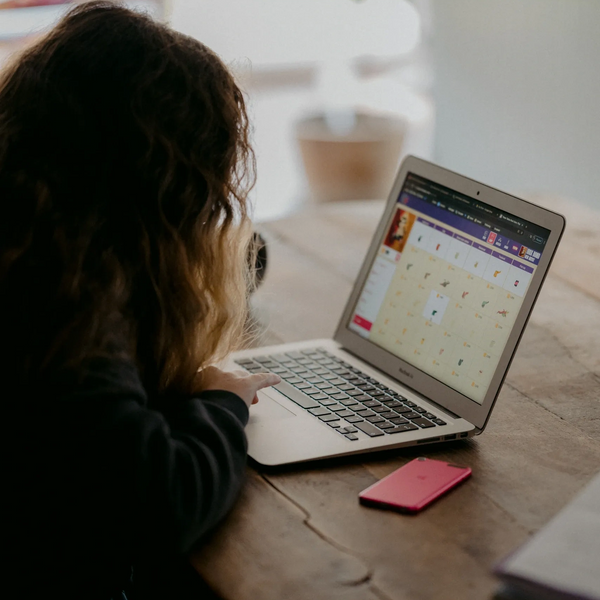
[124,169]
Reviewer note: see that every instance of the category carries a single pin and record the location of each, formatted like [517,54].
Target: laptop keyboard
[341,395]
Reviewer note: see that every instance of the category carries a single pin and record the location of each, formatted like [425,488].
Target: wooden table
[301,533]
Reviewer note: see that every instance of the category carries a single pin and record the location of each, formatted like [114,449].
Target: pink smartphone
[415,485]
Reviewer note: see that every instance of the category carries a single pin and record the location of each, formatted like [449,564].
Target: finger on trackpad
[268,408]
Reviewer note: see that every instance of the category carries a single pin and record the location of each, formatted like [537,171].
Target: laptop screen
[447,283]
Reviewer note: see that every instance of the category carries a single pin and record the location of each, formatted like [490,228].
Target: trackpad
[268,409]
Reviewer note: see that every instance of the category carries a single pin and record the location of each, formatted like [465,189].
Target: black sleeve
[148,482]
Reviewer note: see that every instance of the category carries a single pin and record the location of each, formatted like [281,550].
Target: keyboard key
[376,394]
[328,376]
[327,418]
[279,371]
[419,409]
[388,414]
[365,387]
[404,410]
[354,392]
[295,395]
[311,390]
[302,385]
[430,416]
[337,381]
[311,366]
[401,428]
[262,359]
[398,421]
[439,422]
[379,409]
[349,402]
[345,387]
[411,415]
[409,403]
[323,360]
[364,413]
[319,411]
[326,402]
[351,436]
[375,419]
[369,390]
[270,364]
[385,425]
[369,429]
[336,407]
[354,419]
[370,403]
[323,386]
[320,371]
[244,361]
[422,422]
[345,413]
[341,396]
[363,398]
[392,403]
[351,430]
[320,397]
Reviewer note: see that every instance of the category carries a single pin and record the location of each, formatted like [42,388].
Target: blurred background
[505,91]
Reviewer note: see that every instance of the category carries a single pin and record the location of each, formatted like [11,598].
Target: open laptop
[428,333]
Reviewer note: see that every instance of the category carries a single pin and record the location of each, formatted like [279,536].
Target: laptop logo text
[407,373]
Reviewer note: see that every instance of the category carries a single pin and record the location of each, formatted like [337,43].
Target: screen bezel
[411,376]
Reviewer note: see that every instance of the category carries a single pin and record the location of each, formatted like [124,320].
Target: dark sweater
[97,482]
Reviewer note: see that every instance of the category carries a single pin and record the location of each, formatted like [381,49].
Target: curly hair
[124,169]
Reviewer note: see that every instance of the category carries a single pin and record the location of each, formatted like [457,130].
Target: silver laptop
[428,333]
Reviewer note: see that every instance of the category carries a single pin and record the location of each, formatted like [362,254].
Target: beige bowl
[358,165]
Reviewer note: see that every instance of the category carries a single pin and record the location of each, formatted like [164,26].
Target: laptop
[427,335]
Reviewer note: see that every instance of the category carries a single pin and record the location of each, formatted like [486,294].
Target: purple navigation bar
[477,246]
[502,257]
[460,238]
[491,238]
[523,267]
[482,248]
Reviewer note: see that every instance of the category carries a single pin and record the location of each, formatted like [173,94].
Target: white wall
[517,90]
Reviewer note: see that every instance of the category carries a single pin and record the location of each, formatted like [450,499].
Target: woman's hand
[242,383]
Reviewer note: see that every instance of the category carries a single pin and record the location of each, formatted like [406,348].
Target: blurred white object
[280,32]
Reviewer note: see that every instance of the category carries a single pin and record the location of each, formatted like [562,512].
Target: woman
[123,242]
